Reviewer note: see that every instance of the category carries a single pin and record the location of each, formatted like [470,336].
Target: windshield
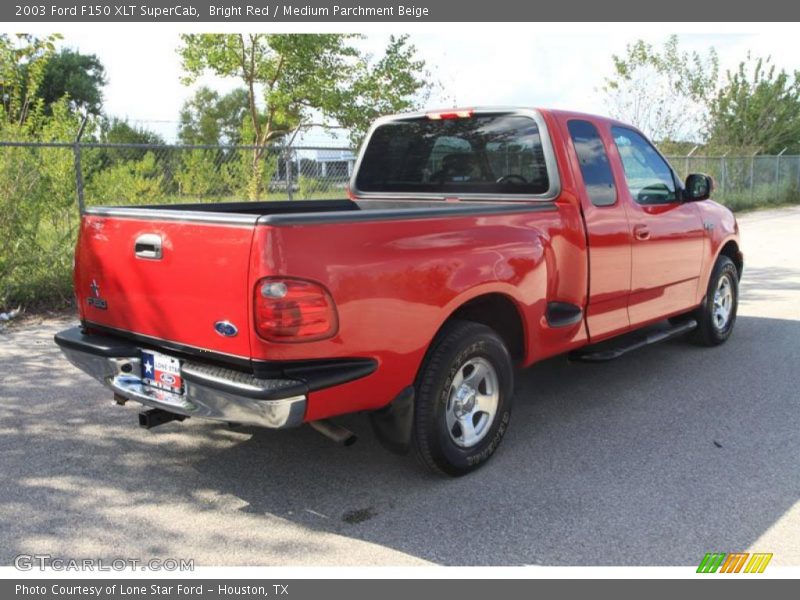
[481,154]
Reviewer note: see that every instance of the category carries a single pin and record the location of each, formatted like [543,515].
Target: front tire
[717,315]
[463,399]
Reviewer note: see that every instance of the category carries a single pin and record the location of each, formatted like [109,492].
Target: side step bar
[594,354]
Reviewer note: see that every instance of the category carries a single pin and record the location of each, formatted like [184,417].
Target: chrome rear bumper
[209,392]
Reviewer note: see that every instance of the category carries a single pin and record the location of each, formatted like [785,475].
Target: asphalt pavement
[656,458]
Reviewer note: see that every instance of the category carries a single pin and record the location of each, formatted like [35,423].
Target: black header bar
[346,11]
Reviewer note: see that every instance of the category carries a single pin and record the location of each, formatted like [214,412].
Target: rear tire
[463,399]
[716,317]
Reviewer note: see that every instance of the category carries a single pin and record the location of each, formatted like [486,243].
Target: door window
[649,177]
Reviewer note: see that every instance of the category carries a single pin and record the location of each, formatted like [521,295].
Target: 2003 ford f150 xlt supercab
[472,242]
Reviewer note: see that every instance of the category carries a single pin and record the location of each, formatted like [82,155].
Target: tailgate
[170,279]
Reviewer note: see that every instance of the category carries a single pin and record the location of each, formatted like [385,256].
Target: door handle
[641,232]
[148,245]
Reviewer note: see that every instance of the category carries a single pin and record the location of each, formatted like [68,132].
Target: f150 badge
[95,299]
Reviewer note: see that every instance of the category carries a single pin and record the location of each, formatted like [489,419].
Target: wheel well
[501,314]
[731,250]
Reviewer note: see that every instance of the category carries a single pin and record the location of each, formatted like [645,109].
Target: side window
[595,167]
[649,177]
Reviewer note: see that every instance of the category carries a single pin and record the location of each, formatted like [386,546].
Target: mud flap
[393,423]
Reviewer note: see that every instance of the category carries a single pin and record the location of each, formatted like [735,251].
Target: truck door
[667,234]
[607,230]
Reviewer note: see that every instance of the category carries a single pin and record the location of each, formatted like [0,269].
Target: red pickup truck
[472,242]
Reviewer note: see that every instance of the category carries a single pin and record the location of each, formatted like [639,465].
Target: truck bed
[319,211]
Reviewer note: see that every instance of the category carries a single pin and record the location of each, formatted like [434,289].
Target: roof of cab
[562,114]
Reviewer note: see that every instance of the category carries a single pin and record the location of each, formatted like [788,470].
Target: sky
[490,64]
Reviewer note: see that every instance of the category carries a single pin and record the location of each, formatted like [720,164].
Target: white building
[335,163]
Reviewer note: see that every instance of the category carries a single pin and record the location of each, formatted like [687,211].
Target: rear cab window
[483,154]
[594,164]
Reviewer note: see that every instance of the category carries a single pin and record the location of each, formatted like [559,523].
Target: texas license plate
[161,371]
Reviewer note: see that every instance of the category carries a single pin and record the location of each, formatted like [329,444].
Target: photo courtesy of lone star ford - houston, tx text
[358,299]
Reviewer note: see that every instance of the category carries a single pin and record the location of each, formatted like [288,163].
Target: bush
[129,182]
[763,195]
[310,187]
[40,215]
[197,174]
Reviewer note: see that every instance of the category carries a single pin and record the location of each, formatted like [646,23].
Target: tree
[38,207]
[758,108]
[119,131]
[23,60]
[662,92]
[292,78]
[208,118]
[80,77]
[37,185]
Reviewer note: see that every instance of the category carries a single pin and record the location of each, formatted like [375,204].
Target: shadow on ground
[659,457]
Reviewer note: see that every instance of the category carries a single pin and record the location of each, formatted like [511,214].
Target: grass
[330,194]
[765,198]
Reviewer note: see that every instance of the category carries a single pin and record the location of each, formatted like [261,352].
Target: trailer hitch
[155,417]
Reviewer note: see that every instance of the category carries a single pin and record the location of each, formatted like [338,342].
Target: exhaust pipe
[155,417]
[335,432]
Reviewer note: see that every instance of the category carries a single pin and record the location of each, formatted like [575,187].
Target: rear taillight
[294,310]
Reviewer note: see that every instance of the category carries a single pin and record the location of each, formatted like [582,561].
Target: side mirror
[698,187]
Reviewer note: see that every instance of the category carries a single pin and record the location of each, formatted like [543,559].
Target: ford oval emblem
[225,328]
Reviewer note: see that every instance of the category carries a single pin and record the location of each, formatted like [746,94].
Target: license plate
[161,371]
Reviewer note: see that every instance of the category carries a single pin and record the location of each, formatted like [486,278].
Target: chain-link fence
[747,181]
[136,174]
[132,174]
[43,186]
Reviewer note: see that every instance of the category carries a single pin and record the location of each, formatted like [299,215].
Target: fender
[722,228]
[393,424]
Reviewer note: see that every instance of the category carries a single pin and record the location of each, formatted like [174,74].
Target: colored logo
[735,562]
[225,328]
[96,300]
